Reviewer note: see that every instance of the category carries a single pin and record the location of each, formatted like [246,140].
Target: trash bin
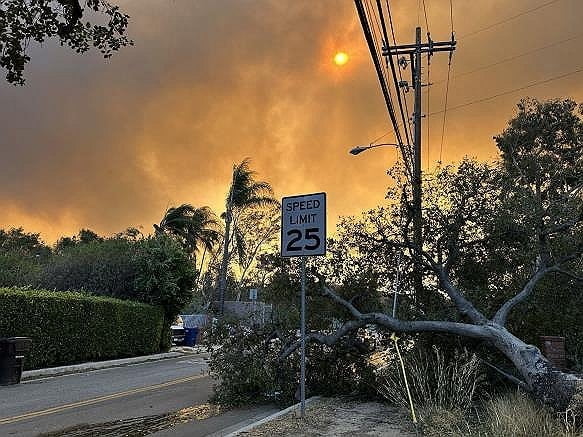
[190,335]
[12,353]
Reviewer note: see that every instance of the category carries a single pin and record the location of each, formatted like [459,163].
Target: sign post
[303,234]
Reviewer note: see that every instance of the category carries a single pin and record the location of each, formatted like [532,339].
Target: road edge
[269,418]
[30,375]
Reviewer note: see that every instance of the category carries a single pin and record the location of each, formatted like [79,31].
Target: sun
[340,58]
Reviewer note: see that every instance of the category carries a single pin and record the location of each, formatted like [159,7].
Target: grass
[434,380]
[513,414]
[450,398]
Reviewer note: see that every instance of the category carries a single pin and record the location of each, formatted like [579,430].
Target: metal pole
[303,340]
[417,217]
[396,286]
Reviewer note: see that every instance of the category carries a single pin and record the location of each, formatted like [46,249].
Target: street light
[359,149]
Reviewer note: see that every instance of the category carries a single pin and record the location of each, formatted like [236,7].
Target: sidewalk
[334,417]
[175,352]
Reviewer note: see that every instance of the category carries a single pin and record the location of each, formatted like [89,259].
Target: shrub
[153,270]
[248,369]
[99,267]
[435,380]
[245,367]
[68,327]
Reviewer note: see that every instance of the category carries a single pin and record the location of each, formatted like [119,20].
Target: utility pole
[416,188]
[415,51]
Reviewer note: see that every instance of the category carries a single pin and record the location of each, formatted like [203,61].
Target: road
[136,400]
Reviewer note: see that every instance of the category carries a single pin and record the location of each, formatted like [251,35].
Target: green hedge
[69,327]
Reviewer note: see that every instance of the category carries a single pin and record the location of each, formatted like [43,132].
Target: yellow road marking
[122,394]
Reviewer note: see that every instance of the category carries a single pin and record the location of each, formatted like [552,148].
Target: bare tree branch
[464,306]
[380,319]
[505,374]
[570,274]
[563,226]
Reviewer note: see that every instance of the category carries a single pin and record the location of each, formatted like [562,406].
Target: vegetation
[247,368]
[192,227]
[513,413]
[245,193]
[69,327]
[494,233]
[153,270]
[435,380]
[100,24]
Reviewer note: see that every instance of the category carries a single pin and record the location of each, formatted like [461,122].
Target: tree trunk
[224,261]
[561,391]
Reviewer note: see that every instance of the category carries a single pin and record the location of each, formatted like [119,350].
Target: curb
[271,417]
[98,365]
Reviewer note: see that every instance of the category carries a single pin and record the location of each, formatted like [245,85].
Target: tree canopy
[78,25]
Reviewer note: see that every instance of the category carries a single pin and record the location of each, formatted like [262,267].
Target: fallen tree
[491,228]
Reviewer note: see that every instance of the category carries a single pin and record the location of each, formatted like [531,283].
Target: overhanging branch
[384,320]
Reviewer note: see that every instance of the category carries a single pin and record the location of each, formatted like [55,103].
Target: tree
[257,233]
[192,227]
[17,241]
[529,208]
[245,193]
[22,21]
[85,236]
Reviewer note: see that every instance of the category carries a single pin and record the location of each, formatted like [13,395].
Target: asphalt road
[168,397]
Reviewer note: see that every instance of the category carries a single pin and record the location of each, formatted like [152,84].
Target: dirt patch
[339,417]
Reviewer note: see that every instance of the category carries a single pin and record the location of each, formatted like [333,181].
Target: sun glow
[340,58]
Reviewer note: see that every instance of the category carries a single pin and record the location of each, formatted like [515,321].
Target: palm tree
[245,192]
[193,227]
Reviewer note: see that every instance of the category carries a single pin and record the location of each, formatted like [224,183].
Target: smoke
[111,144]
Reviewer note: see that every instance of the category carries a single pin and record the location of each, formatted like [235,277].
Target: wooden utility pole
[416,182]
[415,51]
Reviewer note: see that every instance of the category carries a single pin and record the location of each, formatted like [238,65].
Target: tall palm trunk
[199,278]
[225,261]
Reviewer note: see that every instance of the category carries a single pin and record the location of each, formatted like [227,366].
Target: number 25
[310,234]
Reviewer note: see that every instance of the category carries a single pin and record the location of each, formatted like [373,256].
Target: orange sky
[107,145]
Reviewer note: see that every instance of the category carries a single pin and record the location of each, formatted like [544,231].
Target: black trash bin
[12,353]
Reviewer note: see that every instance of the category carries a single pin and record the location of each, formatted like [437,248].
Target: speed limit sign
[303,234]
[303,225]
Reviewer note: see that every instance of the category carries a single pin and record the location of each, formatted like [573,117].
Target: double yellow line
[60,408]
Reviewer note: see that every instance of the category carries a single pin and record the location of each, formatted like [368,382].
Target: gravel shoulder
[339,417]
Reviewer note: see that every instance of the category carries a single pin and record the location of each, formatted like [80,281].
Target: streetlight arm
[359,149]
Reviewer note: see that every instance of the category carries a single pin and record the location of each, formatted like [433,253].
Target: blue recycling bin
[190,335]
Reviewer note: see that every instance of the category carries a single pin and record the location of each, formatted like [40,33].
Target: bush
[68,327]
[153,270]
[248,369]
[435,380]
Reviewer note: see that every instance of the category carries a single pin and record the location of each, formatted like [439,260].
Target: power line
[428,78]
[446,87]
[408,124]
[506,20]
[512,58]
[393,71]
[444,111]
[451,14]
[385,72]
[428,100]
[381,77]
[425,13]
[504,93]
